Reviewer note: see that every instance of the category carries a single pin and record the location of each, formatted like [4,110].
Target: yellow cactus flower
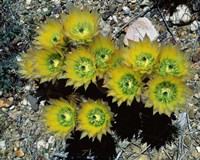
[102,48]
[166,94]
[27,65]
[48,64]
[123,84]
[81,26]
[60,117]
[172,62]
[81,68]
[94,119]
[117,58]
[142,56]
[50,35]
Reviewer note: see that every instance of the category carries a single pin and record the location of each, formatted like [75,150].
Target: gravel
[23,135]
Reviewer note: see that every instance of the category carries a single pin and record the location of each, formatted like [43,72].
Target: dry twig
[167,26]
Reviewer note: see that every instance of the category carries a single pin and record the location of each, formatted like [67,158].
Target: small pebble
[1,103]
[2,145]
[12,107]
[196,77]
[45,9]
[198,149]
[24,102]
[41,144]
[106,30]
[126,10]
[198,128]
[145,3]
[115,19]
[34,102]
[181,15]
[27,88]
[120,1]
[194,26]
[1,93]
[192,114]
[105,15]
[126,19]
[28,2]
[57,2]
[51,140]
[19,153]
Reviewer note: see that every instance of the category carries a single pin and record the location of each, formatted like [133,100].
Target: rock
[56,2]
[196,5]
[105,15]
[126,19]
[182,120]
[115,19]
[1,103]
[138,29]
[106,30]
[41,144]
[192,114]
[1,93]
[28,87]
[182,15]
[198,128]
[198,149]
[34,102]
[28,2]
[145,3]
[8,102]
[19,153]
[126,10]
[2,145]
[12,107]
[24,102]
[194,25]
[120,1]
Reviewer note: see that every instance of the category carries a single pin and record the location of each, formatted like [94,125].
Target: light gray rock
[182,15]
[195,26]
[145,3]
[138,29]
[120,1]
[126,10]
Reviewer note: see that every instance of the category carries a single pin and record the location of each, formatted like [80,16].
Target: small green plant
[72,48]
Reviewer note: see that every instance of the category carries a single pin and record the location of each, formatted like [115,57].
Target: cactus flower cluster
[73,48]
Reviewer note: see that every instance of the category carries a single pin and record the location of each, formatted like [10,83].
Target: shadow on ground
[156,130]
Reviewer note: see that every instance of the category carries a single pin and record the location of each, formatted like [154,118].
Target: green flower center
[128,84]
[54,61]
[84,67]
[166,92]
[82,30]
[66,117]
[144,61]
[170,67]
[96,117]
[102,56]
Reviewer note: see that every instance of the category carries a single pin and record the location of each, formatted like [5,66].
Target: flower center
[128,84]
[144,61]
[170,67]
[84,67]
[102,56]
[82,29]
[54,61]
[66,117]
[96,117]
[166,92]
